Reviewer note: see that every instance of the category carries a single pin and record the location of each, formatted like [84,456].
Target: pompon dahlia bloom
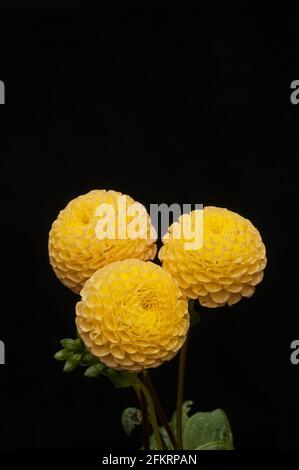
[132,315]
[76,251]
[226,267]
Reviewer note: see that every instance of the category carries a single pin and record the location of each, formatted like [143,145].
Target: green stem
[145,422]
[180,394]
[137,391]
[152,413]
[159,408]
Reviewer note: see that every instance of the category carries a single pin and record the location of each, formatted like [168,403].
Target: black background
[167,105]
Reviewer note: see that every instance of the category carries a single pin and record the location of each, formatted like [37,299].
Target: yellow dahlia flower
[227,265]
[77,250]
[132,315]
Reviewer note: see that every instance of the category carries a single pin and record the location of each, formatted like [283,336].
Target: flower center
[147,300]
[142,310]
[85,220]
[215,227]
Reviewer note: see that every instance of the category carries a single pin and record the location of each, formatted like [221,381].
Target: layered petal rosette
[227,265]
[132,315]
[77,249]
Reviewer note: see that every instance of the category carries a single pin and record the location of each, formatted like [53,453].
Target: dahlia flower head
[132,315]
[75,250]
[227,265]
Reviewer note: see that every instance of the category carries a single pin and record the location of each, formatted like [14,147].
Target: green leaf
[120,379]
[185,416]
[194,315]
[215,445]
[94,370]
[208,431]
[72,363]
[185,412]
[88,359]
[130,418]
[164,433]
[74,345]
[62,355]
[202,431]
